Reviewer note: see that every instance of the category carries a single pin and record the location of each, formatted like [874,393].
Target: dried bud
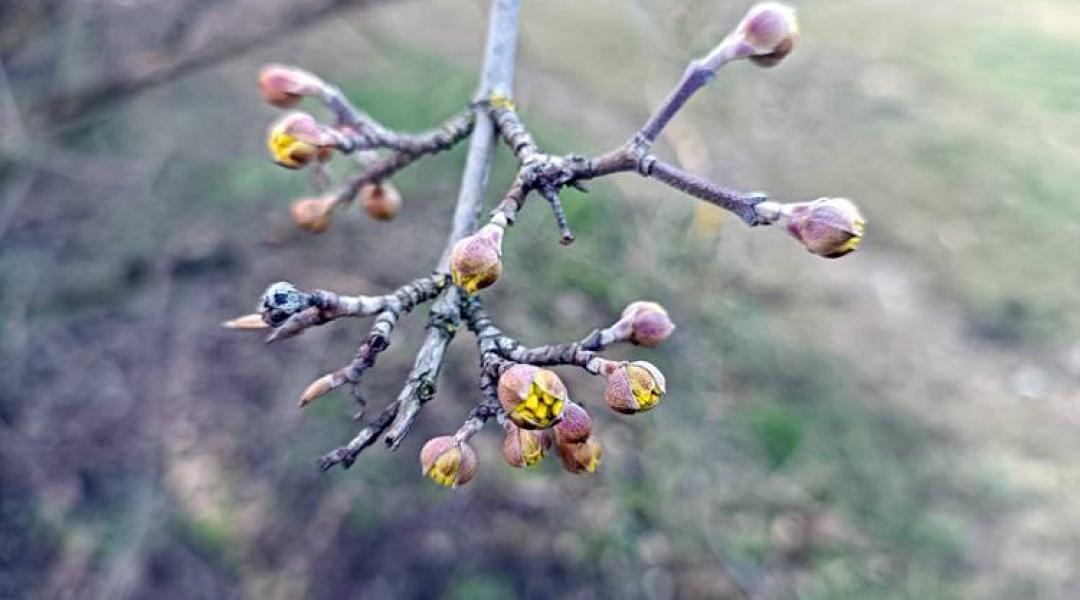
[312,214]
[476,260]
[523,447]
[447,461]
[580,457]
[533,398]
[649,323]
[381,201]
[769,29]
[252,321]
[281,301]
[285,87]
[829,227]
[297,139]
[633,387]
[576,424]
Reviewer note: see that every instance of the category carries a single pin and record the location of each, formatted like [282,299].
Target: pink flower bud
[523,447]
[580,457]
[829,227]
[576,424]
[649,323]
[297,139]
[476,260]
[633,387]
[312,214]
[447,461]
[770,30]
[533,398]
[381,201]
[285,87]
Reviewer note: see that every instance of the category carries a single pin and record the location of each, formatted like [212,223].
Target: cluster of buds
[476,260]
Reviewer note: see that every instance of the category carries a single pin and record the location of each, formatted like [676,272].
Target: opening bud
[448,462]
[633,387]
[523,447]
[284,86]
[576,424]
[580,457]
[649,323]
[381,201]
[533,398]
[476,260]
[769,30]
[297,139]
[282,300]
[312,214]
[829,227]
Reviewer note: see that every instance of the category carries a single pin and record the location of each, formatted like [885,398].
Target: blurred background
[901,423]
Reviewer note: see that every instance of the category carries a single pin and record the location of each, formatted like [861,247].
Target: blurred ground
[897,424]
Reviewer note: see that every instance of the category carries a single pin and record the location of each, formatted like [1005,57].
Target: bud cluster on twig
[518,386]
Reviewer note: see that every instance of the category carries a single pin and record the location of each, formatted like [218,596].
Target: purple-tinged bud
[533,398]
[476,260]
[649,323]
[297,139]
[769,29]
[312,214]
[829,227]
[523,447]
[284,86]
[580,457]
[446,461]
[633,387]
[576,424]
[381,201]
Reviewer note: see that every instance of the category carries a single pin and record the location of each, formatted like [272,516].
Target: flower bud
[533,398]
[381,201]
[649,323]
[769,29]
[285,87]
[576,424]
[580,457]
[297,139]
[523,447]
[312,214]
[446,461]
[633,387]
[282,300]
[829,227]
[476,260]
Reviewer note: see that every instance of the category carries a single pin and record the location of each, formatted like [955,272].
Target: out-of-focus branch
[81,101]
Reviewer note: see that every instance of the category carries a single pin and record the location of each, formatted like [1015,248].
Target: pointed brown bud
[576,424]
[580,457]
[633,387]
[476,260]
[252,321]
[285,87]
[381,201]
[649,323]
[318,388]
[312,214]
[829,227]
[447,461]
[523,447]
[533,398]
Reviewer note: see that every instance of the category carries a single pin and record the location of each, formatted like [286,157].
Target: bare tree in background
[517,387]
